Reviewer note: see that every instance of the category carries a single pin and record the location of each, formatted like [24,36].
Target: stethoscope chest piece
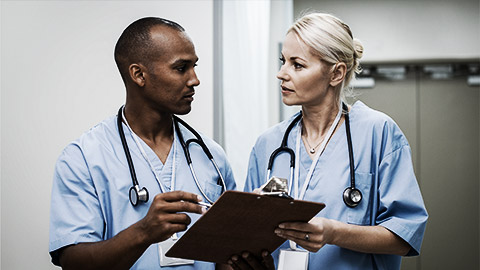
[352,197]
[138,195]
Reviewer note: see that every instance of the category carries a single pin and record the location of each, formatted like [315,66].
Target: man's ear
[339,72]
[136,72]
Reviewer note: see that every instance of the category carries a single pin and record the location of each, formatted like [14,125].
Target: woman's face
[305,79]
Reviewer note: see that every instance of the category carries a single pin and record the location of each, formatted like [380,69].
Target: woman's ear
[137,75]
[339,72]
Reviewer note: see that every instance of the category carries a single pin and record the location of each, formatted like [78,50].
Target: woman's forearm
[368,239]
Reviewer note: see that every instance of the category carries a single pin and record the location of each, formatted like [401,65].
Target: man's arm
[123,250]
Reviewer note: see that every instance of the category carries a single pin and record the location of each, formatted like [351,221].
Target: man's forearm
[119,252]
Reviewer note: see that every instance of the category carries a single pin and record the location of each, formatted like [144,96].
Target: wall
[409,29]
[58,79]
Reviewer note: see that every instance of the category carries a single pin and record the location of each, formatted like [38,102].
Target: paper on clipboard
[240,221]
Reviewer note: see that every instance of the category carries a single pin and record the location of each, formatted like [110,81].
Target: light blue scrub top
[383,172]
[91,184]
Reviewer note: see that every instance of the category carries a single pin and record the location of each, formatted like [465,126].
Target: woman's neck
[316,121]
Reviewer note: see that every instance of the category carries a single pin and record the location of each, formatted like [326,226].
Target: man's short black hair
[135,43]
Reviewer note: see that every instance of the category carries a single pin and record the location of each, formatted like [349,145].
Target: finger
[257,191]
[178,218]
[252,261]
[267,260]
[292,235]
[233,265]
[180,195]
[297,226]
[308,245]
[240,263]
[182,206]
[174,228]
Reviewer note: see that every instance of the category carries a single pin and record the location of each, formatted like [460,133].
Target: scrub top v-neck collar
[164,174]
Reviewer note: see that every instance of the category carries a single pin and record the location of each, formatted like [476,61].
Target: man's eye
[181,68]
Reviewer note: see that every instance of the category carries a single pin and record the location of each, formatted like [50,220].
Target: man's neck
[153,127]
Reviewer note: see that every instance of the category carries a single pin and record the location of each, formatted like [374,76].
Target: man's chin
[183,111]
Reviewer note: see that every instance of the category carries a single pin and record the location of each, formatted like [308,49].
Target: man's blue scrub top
[383,172]
[90,194]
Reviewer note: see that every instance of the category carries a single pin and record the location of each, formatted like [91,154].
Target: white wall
[409,29]
[58,79]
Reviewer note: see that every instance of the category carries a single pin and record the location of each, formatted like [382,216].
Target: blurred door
[440,116]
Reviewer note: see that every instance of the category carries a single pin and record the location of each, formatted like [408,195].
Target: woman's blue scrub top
[383,172]
[90,194]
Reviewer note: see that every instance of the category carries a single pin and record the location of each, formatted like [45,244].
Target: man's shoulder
[100,135]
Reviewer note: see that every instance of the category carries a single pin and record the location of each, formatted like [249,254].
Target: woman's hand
[312,236]
[247,262]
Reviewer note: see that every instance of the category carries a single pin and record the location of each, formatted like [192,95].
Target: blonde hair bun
[357,44]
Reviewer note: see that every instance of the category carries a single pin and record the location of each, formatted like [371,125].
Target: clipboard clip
[277,187]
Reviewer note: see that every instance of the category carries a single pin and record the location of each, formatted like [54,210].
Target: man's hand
[247,262]
[167,216]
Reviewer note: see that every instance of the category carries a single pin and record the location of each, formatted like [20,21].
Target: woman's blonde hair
[332,40]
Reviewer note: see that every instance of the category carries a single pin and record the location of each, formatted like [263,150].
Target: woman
[320,57]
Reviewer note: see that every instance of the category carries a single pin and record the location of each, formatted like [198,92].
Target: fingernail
[235,258]
[245,255]
[204,210]
[199,198]
[229,262]
[277,231]
[281,226]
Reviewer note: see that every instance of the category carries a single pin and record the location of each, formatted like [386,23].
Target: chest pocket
[361,214]
[212,190]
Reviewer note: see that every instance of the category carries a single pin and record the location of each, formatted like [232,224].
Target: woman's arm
[322,231]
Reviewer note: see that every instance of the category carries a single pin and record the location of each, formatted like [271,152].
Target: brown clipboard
[240,221]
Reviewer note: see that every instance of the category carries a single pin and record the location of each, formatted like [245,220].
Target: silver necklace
[312,149]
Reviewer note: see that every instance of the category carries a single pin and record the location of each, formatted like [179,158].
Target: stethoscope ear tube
[125,147]
[278,151]
[351,196]
[135,193]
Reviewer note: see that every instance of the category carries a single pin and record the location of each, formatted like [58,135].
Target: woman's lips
[286,89]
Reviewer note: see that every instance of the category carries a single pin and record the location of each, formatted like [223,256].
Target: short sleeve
[401,208]
[75,213]
[253,175]
[229,178]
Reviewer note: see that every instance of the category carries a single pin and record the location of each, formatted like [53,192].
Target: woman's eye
[282,60]
[297,66]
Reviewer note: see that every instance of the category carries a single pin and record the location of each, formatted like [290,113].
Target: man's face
[171,77]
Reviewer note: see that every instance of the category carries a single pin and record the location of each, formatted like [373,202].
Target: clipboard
[240,221]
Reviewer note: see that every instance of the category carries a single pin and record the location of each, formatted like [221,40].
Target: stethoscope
[137,194]
[351,196]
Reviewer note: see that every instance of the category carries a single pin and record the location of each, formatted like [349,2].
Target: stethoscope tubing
[284,148]
[185,146]
[131,167]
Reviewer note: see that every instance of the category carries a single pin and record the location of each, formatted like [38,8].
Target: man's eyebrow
[184,61]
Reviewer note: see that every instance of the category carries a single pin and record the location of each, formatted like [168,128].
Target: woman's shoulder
[363,113]
[370,121]
[277,130]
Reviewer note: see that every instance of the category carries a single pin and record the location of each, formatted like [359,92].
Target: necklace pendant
[312,151]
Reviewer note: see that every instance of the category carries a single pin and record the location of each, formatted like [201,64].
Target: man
[98,220]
